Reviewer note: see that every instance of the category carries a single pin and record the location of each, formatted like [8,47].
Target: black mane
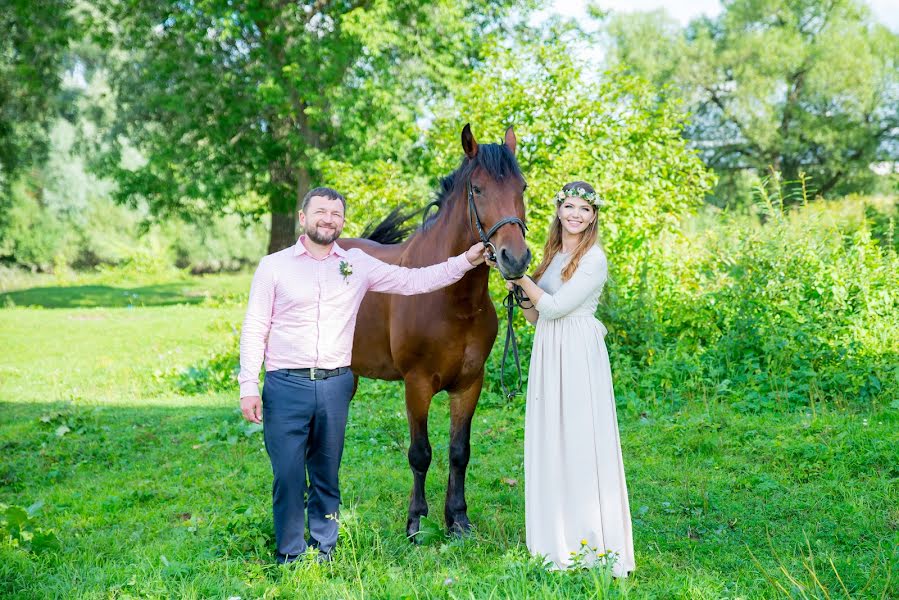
[394,229]
[495,159]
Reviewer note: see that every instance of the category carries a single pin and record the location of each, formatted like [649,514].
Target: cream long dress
[574,475]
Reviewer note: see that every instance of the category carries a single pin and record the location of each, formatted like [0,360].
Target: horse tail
[394,229]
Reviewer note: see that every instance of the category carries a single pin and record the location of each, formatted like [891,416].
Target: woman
[576,505]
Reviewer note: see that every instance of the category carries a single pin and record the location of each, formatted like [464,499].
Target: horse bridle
[485,236]
[514,297]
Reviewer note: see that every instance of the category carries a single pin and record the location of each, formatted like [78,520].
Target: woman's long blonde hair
[554,243]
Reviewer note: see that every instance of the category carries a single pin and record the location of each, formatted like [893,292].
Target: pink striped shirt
[302,311]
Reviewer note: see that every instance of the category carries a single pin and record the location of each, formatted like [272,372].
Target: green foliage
[36,35]
[224,243]
[247,532]
[797,85]
[374,191]
[18,527]
[217,373]
[431,532]
[611,133]
[31,235]
[795,312]
[61,216]
[225,101]
[66,420]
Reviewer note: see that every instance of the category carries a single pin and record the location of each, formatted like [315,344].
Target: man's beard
[322,239]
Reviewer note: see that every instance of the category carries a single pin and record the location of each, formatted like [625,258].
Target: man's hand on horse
[251,407]
[475,254]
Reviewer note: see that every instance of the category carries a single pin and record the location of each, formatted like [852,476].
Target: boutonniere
[346,269]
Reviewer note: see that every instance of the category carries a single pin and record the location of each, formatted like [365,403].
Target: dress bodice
[579,296]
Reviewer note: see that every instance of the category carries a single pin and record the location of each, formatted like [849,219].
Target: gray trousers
[304,423]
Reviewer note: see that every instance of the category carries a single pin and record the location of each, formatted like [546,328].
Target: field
[155,494]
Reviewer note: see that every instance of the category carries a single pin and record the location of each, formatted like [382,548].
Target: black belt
[315,374]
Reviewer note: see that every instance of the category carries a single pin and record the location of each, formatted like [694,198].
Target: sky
[885,11]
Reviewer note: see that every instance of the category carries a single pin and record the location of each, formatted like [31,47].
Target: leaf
[16,517]
[45,541]
[429,532]
[62,430]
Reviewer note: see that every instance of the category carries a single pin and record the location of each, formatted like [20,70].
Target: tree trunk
[284,231]
[304,184]
[281,202]
[282,234]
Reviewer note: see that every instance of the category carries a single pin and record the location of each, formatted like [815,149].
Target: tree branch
[717,101]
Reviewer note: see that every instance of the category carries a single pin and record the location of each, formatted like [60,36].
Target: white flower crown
[580,192]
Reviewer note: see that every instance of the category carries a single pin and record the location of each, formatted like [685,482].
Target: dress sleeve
[588,278]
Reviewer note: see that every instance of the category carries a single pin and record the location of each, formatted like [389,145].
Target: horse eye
[476,189]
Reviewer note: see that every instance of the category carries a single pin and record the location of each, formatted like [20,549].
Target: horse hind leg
[462,406]
[418,401]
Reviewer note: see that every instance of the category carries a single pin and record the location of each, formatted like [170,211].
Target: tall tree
[796,85]
[34,38]
[229,101]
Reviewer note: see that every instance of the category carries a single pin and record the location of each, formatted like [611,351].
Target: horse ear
[510,140]
[469,145]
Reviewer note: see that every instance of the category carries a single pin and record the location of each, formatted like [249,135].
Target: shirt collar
[300,249]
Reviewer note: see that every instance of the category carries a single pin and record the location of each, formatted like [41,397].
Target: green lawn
[158,495]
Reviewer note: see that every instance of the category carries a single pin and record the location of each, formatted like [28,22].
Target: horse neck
[453,230]
[450,235]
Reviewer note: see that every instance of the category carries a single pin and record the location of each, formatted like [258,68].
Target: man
[300,319]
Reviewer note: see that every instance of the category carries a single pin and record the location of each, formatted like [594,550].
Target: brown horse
[440,341]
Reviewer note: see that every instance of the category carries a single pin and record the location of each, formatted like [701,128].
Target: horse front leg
[418,400]
[462,406]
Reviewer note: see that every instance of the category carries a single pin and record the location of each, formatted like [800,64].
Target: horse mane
[495,159]
[394,229]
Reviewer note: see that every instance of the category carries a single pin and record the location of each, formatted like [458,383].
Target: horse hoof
[413,526]
[460,527]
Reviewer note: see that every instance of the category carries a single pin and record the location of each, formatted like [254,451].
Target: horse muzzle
[512,266]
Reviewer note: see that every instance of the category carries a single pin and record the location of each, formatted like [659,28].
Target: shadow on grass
[93,296]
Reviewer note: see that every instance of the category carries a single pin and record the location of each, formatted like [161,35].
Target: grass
[156,495]
[116,288]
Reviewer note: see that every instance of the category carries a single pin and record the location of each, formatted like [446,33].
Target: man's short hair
[329,193]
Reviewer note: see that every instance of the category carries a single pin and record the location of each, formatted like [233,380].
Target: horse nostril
[503,254]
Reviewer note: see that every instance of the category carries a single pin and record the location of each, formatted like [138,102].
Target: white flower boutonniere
[346,269]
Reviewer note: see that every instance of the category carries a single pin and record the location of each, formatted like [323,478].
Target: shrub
[798,310]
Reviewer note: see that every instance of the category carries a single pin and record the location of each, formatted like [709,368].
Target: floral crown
[579,192]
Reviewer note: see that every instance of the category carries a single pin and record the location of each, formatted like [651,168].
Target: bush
[33,237]
[61,216]
[799,310]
